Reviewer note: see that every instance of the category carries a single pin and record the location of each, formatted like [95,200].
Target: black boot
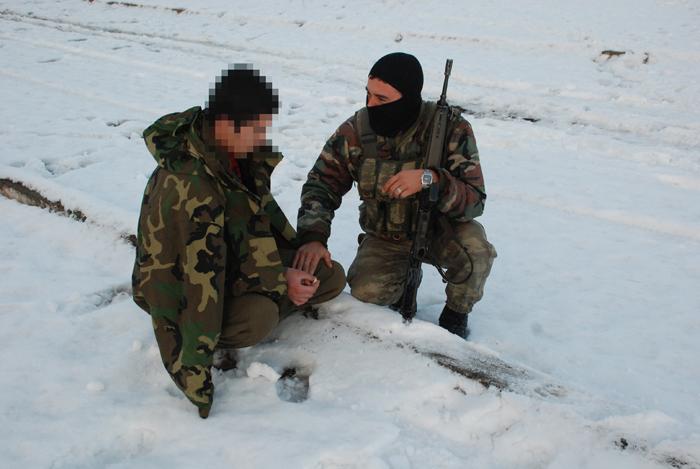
[224,359]
[454,322]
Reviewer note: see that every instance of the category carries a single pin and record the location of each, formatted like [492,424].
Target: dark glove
[454,322]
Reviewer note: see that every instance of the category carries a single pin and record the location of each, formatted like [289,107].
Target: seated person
[214,249]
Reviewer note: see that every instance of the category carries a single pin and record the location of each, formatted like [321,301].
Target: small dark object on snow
[612,53]
[622,443]
[292,386]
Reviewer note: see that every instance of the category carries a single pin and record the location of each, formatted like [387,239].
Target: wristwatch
[426,179]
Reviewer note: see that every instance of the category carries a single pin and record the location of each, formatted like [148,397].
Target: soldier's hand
[300,286]
[405,183]
[309,255]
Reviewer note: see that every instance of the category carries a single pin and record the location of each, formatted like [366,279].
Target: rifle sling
[368,138]
[439,126]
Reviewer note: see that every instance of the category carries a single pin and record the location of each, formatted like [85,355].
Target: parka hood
[167,137]
[181,140]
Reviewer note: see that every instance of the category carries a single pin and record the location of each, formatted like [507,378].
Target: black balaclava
[403,72]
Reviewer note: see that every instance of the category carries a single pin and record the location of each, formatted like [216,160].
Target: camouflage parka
[202,236]
[342,162]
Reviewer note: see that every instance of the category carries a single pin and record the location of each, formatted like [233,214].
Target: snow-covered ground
[592,166]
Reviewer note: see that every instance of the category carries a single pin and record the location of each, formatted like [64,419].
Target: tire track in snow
[494,42]
[619,217]
[464,359]
[94,54]
[614,216]
[299,65]
[487,370]
[683,182]
[656,132]
[80,93]
[279,55]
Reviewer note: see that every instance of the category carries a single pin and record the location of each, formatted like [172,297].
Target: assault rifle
[427,200]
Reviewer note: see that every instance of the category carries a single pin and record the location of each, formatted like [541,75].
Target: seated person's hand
[301,286]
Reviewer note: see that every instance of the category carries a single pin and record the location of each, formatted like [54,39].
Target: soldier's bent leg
[378,273]
[451,252]
[248,319]
[332,282]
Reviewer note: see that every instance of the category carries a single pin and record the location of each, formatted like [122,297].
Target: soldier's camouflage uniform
[377,274]
[206,243]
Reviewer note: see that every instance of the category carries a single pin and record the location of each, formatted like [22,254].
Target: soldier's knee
[472,237]
[364,293]
[483,251]
[251,322]
[337,280]
[481,260]
[332,283]
[261,323]
[374,292]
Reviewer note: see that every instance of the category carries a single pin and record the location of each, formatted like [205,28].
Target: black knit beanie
[400,70]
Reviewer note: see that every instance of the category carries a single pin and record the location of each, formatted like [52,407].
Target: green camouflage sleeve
[328,181]
[179,276]
[462,190]
[278,218]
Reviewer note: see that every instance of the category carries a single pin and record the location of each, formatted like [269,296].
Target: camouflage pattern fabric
[341,162]
[378,273]
[202,235]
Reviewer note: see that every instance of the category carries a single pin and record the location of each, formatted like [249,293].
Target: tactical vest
[381,215]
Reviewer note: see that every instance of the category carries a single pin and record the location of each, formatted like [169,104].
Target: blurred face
[242,138]
[379,92]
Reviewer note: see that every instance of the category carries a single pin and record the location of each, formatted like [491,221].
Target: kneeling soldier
[383,149]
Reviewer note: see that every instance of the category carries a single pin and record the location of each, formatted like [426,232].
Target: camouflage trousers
[378,273]
[249,318]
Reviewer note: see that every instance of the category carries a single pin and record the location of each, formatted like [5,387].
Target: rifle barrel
[448,71]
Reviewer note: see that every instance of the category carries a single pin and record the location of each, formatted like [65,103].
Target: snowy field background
[592,166]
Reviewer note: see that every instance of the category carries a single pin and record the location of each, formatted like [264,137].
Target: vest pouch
[367,180]
[371,217]
[399,215]
[386,218]
[385,170]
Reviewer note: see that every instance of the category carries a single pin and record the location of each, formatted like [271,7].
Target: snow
[262,370]
[594,209]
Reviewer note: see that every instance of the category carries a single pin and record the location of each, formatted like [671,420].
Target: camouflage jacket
[202,236]
[462,191]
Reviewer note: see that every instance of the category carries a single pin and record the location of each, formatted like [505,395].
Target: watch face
[427,178]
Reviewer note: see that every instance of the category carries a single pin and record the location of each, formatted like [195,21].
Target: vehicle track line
[82,94]
[619,217]
[89,53]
